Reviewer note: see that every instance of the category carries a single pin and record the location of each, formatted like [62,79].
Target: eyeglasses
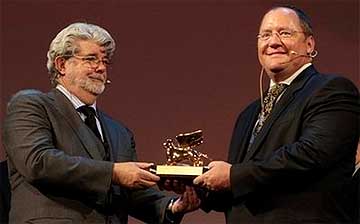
[93,61]
[283,34]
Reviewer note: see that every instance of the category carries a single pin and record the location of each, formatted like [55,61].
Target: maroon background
[179,65]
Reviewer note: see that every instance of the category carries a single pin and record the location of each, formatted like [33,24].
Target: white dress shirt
[78,103]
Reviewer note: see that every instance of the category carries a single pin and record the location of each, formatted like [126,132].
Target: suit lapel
[242,133]
[106,135]
[284,102]
[90,143]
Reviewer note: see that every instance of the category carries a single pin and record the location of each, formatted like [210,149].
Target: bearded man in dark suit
[68,161]
[291,156]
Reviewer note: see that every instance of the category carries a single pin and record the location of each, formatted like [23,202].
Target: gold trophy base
[175,171]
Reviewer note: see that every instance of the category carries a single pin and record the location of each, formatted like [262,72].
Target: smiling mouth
[97,79]
[276,53]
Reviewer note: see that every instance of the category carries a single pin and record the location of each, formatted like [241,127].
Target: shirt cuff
[170,217]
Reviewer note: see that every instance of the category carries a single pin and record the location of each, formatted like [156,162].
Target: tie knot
[87,111]
[272,95]
[277,89]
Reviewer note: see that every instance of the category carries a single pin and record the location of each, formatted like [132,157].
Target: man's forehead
[281,11]
[90,46]
[280,16]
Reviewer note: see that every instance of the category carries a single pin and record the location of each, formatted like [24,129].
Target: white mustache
[98,76]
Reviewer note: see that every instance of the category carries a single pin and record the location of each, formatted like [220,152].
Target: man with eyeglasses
[68,161]
[292,152]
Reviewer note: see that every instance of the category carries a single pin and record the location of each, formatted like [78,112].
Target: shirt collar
[357,167]
[76,102]
[289,80]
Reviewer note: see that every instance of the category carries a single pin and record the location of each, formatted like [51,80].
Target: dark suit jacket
[356,192]
[301,162]
[4,193]
[57,174]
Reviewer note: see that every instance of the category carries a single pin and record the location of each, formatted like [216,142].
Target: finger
[146,175]
[176,207]
[199,180]
[212,164]
[185,199]
[193,199]
[188,194]
[144,165]
[147,184]
[188,190]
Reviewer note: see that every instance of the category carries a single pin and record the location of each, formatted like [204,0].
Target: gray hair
[64,44]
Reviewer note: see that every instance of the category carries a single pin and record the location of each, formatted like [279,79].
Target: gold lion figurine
[184,150]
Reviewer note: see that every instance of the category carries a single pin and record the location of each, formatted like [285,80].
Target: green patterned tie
[269,102]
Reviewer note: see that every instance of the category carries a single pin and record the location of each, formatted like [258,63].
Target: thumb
[198,180]
[212,164]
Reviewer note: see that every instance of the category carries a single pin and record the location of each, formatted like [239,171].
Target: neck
[86,97]
[278,77]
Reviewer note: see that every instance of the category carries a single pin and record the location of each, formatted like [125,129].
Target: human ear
[59,63]
[310,41]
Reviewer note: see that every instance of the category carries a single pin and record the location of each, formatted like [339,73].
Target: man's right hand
[134,175]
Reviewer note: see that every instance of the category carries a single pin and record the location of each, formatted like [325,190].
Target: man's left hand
[188,202]
[217,178]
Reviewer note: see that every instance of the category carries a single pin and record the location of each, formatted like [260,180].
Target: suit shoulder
[114,123]
[251,108]
[249,111]
[329,92]
[25,95]
[337,81]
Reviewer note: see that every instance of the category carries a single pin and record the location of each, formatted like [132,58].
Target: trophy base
[174,171]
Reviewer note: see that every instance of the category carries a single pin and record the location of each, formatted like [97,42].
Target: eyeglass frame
[282,34]
[91,60]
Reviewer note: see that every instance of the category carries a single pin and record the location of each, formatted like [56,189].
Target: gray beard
[91,87]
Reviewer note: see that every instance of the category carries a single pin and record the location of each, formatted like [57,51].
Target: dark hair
[305,21]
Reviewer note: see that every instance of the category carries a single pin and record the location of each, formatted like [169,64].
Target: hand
[134,175]
[188,202]
[217,178]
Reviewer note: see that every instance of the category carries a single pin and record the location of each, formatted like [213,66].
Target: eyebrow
[277,29]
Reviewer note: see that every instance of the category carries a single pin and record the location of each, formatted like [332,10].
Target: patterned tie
[90,119]
[269,102]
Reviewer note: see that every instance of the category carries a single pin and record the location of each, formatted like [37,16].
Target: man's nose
[275,39]
[101,66]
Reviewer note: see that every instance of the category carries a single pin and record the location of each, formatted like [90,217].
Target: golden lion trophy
[183,160]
